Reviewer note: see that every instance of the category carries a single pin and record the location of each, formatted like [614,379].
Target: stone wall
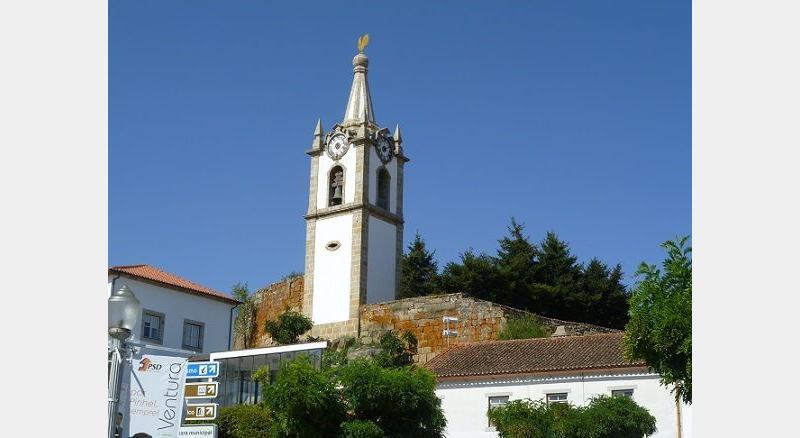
[270,302]
[478,320]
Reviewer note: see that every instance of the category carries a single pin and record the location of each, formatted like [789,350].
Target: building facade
[573,369]
[176,313]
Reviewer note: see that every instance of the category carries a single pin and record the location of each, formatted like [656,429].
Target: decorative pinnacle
[398,138]
[317,143]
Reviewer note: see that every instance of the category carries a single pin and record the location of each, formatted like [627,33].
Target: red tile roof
[532,356]
[152,273]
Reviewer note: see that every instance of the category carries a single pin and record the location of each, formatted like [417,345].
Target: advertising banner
[155,407]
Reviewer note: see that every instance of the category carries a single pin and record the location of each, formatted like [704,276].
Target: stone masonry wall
[478,320]
[271,301]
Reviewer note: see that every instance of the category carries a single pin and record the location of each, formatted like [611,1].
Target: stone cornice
[341,209]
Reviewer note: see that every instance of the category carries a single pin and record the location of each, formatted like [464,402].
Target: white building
[176,313]
[572,369]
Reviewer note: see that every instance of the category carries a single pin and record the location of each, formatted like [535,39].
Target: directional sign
[202,370]
[201,411]
[200,390]
[198,430]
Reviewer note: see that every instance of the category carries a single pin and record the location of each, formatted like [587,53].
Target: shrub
[396,351]
[243,421]
[604,417]
[523,327]
[288,328]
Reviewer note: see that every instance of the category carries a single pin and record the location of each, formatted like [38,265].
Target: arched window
[335,186]
[383,188]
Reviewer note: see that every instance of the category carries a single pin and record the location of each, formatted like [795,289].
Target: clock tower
[354,223]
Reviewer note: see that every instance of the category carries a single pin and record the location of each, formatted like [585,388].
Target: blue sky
[570,116]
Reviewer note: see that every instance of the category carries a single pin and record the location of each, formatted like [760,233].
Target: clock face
[337,146]
[384,149]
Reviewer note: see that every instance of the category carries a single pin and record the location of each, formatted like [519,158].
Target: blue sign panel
[202,370]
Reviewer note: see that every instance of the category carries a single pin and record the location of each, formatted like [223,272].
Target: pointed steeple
[359,105]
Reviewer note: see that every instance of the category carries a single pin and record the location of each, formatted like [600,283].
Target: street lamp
[123,312]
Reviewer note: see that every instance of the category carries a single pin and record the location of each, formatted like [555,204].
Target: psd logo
[147,365]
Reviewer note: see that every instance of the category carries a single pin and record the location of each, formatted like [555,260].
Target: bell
[337,195]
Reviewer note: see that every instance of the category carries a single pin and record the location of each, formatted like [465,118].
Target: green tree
[516,260]
[525,326]
[303,400]
[402,401]
[420,273]
[288,328]
[660,327]
[604,295]
[477,275]
[245,324]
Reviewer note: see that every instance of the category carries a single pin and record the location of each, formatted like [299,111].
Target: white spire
[359,105]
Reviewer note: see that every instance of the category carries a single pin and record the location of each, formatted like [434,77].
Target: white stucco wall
[177,306]
[391,167]
[331,301]
[348,161]
[381,261]
[465,404]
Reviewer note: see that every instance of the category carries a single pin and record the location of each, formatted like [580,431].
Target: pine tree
[557,277]
[476,275]
[420,273]
[515,260]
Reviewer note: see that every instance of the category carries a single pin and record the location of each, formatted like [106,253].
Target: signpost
[201,411]
[202,370]
[195,390]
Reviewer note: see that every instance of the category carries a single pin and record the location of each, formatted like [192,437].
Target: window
[193,335]
[152,326]
[496,402]
[622,393]
[557,397]
[383,188]
[335,186]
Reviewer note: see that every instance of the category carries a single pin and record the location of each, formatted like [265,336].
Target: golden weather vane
[362,42]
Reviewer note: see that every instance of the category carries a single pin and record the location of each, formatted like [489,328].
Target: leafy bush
[288,328]
[604,417]
[304,401]
[401,401]
[396,351]
[523,327]
[243,421]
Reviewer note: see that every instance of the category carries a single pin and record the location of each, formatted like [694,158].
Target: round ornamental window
[333,245]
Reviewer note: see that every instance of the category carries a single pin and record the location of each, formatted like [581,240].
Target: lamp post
[123,312]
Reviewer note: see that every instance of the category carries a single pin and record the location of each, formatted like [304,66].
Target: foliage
[291,275]
[604,417]
[361,429]
[357,399]
[304,401]
[523,327]
[401,401]
[396,351]
[245,323]
[543,278]
[243,421]
[660,327]
[288,328]
[420,273]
